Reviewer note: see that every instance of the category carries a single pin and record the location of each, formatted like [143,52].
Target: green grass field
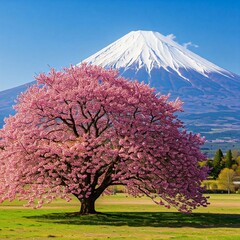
[123,218]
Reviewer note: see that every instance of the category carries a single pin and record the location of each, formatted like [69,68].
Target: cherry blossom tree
[80,130]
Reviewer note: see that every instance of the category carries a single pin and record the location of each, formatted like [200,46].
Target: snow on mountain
[151,50]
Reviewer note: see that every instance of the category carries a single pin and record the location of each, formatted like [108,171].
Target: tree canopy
[229,159]
[225,179]
[218,164]
[80,130]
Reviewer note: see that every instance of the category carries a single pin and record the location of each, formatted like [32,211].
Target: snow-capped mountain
[210,93]
[166,65]
[149,50]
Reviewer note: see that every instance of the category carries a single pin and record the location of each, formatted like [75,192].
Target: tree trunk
[87,206]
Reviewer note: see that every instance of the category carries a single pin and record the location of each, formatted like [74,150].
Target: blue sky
[36,34]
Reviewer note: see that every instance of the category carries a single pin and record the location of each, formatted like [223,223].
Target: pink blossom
[80,130]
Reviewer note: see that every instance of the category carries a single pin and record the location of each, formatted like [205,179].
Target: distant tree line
[224,171]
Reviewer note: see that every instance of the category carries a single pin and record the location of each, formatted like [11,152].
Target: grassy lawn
[123,218]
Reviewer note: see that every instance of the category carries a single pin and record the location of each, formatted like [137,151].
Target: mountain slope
[210,93]
[7,100]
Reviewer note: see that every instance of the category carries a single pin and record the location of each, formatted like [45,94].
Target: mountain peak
[151,50]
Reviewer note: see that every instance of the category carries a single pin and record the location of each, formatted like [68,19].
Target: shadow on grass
[145,219]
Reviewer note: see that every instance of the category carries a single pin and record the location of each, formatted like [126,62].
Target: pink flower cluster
[83,129]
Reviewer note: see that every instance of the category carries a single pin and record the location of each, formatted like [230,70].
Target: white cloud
[190,44]
[185,45]
[171,36]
